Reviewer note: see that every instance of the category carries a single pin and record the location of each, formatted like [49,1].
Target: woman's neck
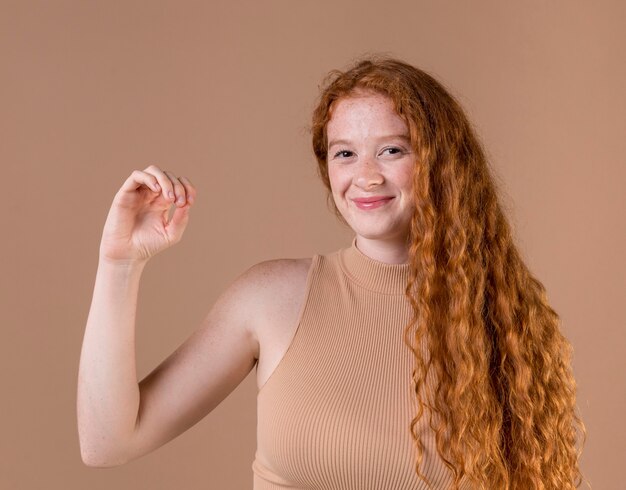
[387,251]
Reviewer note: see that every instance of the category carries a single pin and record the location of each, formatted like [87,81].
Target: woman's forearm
[108,391]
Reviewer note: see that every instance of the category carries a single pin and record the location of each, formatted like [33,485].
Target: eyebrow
[404,137]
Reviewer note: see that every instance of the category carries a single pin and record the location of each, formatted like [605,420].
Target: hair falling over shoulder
[503,408]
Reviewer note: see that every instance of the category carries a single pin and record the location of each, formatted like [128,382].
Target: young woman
[423,355]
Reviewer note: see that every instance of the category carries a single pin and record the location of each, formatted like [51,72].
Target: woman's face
[370,159]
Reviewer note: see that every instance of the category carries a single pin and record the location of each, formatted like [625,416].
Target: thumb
[178,222]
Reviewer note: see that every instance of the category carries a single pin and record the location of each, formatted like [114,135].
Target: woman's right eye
[340,152]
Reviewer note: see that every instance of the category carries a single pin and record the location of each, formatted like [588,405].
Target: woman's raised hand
[136,227]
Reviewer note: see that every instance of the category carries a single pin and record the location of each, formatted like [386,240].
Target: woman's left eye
[394,150]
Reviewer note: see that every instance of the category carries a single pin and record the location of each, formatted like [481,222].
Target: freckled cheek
[404,180]
[338,183]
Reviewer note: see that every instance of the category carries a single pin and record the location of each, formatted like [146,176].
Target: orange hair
[504,404]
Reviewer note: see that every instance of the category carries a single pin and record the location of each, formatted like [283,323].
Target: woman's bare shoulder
[268,286]
[280,289]
[278,275]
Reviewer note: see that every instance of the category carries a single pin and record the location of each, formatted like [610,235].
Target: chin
[375,234]
[380,232]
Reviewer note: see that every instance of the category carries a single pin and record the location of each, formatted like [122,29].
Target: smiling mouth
[373,204]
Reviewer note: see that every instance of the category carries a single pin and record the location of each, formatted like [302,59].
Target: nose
[368,174]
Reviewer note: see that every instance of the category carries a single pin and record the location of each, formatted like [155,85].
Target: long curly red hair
[504,404]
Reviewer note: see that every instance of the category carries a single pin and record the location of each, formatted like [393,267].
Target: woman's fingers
[138,178]
[136,226]
[178,188]
[165,182]
[189,189]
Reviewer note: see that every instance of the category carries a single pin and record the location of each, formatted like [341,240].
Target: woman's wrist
[123,264]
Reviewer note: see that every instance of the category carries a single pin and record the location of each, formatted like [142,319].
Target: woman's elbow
[98,459]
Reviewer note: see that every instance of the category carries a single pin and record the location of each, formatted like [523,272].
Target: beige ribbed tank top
[335,413]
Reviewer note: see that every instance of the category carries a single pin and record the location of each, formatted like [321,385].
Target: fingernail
[170,195]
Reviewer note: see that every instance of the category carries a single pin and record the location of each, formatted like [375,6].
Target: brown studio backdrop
[222,92]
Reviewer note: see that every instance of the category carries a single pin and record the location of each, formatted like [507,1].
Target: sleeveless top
[336,411]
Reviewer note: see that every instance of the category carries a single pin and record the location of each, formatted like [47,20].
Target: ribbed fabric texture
[336,411]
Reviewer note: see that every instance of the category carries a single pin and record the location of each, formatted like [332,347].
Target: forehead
[365,112]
